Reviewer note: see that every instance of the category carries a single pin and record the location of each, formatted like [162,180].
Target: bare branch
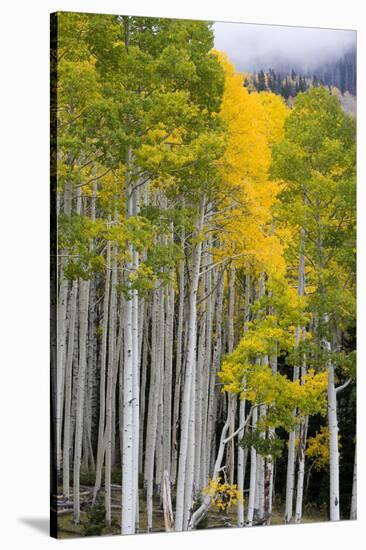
[343,386]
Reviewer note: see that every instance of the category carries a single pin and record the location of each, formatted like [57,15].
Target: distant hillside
[289,81]
[341,73]
[289,85]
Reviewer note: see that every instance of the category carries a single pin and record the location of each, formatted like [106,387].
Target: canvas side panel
[53,268]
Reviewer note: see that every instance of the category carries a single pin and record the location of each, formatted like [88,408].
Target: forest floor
[215,519]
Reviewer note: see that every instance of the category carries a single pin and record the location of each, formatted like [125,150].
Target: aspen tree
[178,364]
[68,380]
[84,285]
[187,435]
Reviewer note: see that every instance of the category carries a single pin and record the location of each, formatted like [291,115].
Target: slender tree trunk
[231,309]
[302,439]
[206,375]
[186,439]
[231,284]
[160,347]
[152,417]
[143,398]
[110,388]
[243,453]
[190,465]
[135,396]
[178,367]
[198,401]
[68,380]
[353,514]
[259,506]
[270,460]
[200,513]
[130,376]
[61,335]
[167,503]
[168,371]
[290,474]
[241,464]
[333,446]
[84,294]
[213,391]
[102,382]
[303,429]
[253,475]
[128,512]
[291,458]
[83,305]
[68,392]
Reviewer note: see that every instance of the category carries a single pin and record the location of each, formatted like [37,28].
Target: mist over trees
[202,286]
[329,55]
[288,82]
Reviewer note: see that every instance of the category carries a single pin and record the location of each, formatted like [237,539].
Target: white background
[24,249]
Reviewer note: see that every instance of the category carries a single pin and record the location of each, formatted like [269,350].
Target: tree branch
[343,386]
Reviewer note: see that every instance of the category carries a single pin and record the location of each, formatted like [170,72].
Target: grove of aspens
[203,287]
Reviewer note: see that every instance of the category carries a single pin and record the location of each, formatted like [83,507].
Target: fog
[253,47]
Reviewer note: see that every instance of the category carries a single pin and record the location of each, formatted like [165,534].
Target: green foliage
[74,235]
[270,447]
[153,88]
[316,160]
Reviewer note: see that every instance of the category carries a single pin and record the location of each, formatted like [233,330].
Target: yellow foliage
[276,113]
[254,122]
[318,448]
[223,495]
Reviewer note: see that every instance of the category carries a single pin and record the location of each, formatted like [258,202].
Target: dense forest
[202,287]
[340,74]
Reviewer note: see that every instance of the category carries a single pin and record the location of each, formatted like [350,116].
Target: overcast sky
[252,47]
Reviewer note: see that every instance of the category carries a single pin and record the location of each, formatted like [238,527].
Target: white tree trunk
[241,464]
[291,458]
[186,439]
[168,371]
[290,475]
[178,367]
[301,468]
[353,514]
[61,335]
[200,513]
[102,382]
[152,417]
[135,396]
[128,511]
[190,465]
[260,472]
[83,306]
[253,475]
[68,379]
[84,294]
[212,403]
[160,348]
[68,392]
[143,400]
[167,503]
[199,399]
[110,388]
[206,375]
[231,309]
[333,446]
[270,463]
[130,377]
[243,453]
